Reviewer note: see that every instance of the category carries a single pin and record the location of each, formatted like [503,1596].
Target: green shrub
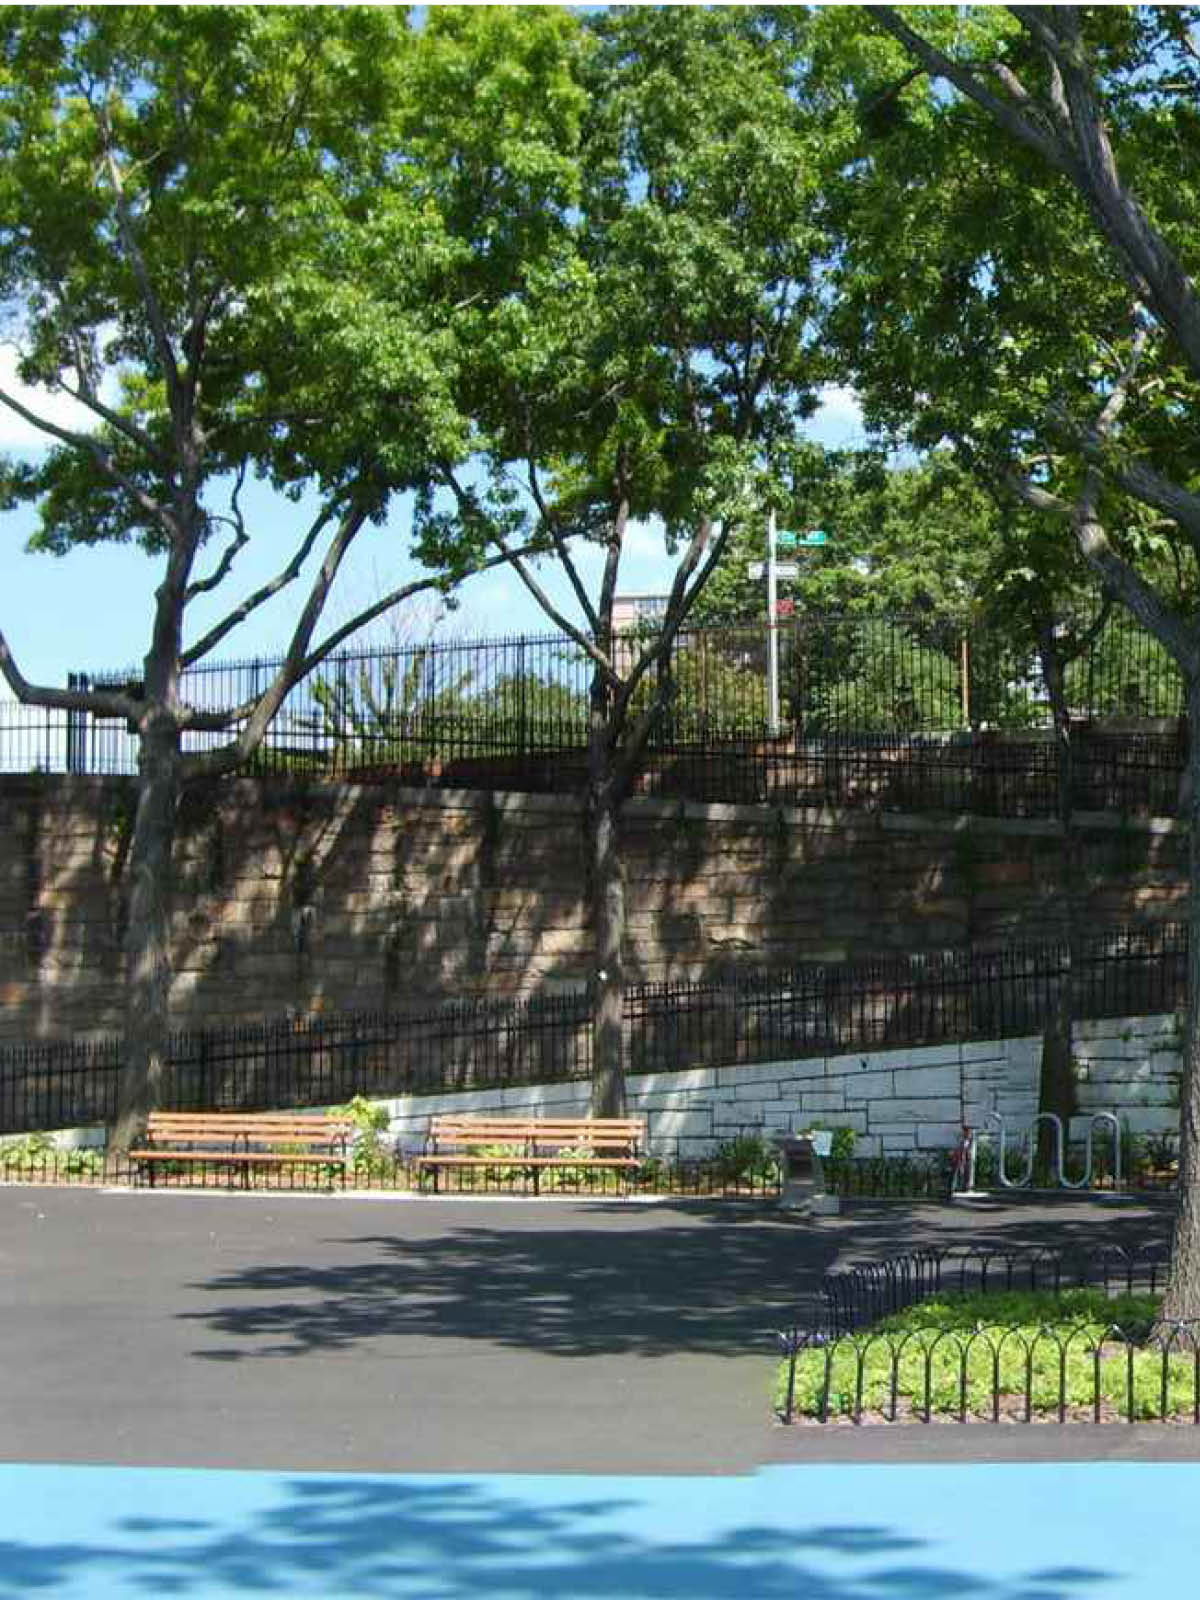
[746,1158]
[371,1122]
[1004,1332]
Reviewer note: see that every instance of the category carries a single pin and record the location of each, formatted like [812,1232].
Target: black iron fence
[795,1012]
[862,1293]
[904,711]
[1050,1356]
[897,1000]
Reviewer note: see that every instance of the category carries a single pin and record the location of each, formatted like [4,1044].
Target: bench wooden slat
[532,1142]
[234,1138]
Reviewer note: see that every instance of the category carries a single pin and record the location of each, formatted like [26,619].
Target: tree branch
[137,263]
[1012,118]
[562,549]
[260,596]
[216,721]
[86,396]
[240,540]
[100,702]
[290,668]
[85,443]
[467,504]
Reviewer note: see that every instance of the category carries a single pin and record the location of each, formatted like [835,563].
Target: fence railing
[1075,1362]
[799,1011]
[889,709]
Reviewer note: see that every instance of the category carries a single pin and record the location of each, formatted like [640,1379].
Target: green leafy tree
[176,188]
[1045,315]
[643,305]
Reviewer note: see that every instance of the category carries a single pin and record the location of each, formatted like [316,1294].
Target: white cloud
[18,434]
[840,404]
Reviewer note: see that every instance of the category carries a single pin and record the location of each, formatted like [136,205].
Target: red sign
[785,608]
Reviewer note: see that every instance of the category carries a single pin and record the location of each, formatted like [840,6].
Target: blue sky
[90,610]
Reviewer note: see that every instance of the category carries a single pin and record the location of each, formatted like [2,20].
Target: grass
[1039,1352]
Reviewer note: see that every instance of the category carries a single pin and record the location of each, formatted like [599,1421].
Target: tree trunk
[1056,1088]
[147,940]
[1182,1298]
[606,888]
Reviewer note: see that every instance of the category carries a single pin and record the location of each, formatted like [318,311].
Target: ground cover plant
[1015,1355]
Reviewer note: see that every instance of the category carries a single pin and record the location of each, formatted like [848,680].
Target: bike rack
[1105,1118]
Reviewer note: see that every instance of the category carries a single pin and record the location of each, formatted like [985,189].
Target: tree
[1082,123]
[175,187]
[644,333]
[906,539]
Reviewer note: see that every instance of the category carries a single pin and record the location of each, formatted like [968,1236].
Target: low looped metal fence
[995,1372]
[862,1293]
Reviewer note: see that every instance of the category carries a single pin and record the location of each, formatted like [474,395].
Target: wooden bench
[566,1143]
[245,1140]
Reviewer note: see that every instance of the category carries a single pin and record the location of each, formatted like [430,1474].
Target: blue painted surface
[1003,1532]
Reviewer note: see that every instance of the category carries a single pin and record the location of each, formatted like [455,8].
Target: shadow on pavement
[611,1281]
[470,1538]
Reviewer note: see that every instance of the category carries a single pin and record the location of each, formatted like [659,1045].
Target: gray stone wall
[304,898]
[899,1102]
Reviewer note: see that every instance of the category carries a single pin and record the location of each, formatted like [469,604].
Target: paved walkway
[525,1401]
[309,1333]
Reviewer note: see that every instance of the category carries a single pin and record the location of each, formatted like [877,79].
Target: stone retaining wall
[899,1102]
[325,897]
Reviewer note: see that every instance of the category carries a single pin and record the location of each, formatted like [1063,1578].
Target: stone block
[927,1081]
[771,1071]
[822,1103]
[681,1124]
[1150,1119]
[897,1144]
[899,1112]
[690,1081]
[865,1087]
[973,1051]
[938,1135]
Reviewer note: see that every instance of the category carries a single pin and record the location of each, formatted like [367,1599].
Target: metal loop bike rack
[1104,1118]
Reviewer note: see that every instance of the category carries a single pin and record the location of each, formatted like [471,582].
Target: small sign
[783,569]
[785,608]
[816,537]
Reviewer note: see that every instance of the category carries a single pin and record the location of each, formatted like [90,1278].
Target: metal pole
[772,634]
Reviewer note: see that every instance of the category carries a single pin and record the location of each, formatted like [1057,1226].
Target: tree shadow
[465,1538]
[625,1280]
[708,1284]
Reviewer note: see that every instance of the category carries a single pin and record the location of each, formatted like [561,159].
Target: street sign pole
[772,634]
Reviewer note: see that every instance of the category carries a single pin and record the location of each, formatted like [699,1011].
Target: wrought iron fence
[896,710]
[816,1009]
[33,1163]
[325,1060]
[860,1294]
[842,1362]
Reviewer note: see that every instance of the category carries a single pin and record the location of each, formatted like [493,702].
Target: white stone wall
[897,1101]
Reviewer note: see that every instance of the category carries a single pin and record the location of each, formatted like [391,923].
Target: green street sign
[817,537]
[786,541]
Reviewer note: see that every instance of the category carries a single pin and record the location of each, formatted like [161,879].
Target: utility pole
[772,634]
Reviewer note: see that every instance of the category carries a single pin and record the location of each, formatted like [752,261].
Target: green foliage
[37,1153]
[1127,674]
[842,1147]
[747,1158]
[372,1122]
[1013,1328]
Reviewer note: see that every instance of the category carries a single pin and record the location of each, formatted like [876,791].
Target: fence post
[77,722]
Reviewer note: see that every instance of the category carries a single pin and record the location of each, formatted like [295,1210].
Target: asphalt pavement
[311,1333]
